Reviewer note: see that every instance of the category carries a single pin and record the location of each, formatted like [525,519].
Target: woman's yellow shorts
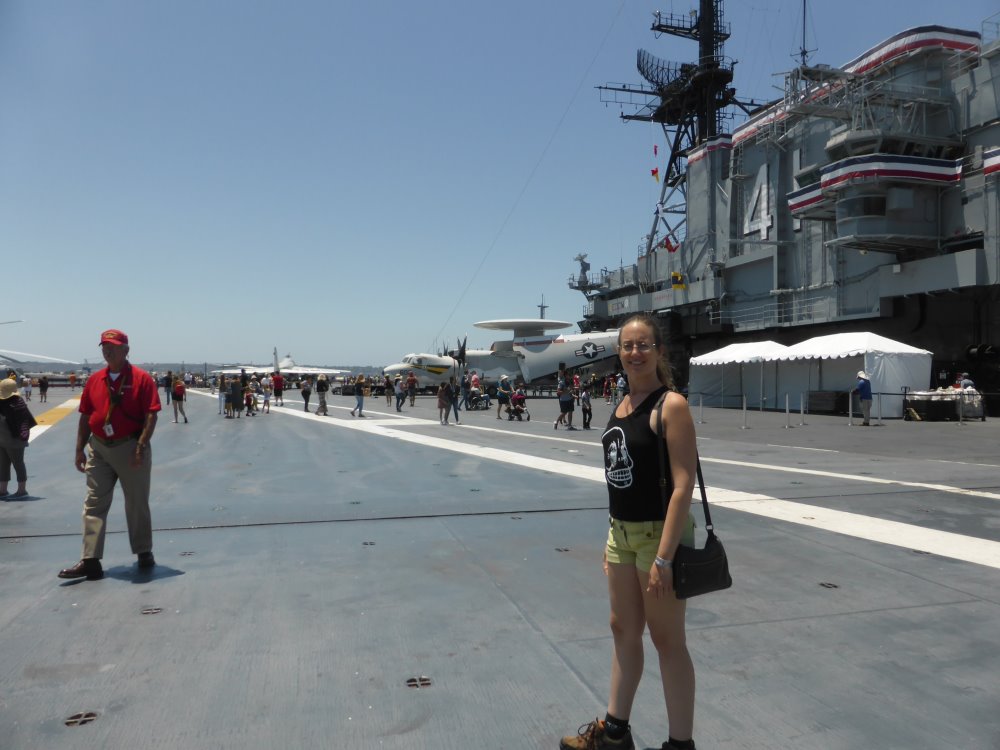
[636,542]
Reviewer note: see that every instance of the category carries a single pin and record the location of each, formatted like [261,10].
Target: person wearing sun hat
[864,391]
[118,410]
[504,392]
[15,424]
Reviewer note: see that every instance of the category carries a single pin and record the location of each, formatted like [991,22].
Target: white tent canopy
[839,345]
[824,363]
[720,378]
[890,365]
[753,351]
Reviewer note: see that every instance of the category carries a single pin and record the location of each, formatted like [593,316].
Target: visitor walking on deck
[454,397]
[179,394]
[444,402]
[305,388]
[322,388]
[15,425]
[359,396]
[118,411]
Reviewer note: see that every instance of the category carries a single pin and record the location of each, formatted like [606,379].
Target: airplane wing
[298,370]
[27,357]
[269,367]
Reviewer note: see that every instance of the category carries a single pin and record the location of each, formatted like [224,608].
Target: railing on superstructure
[990,30]
[777,313]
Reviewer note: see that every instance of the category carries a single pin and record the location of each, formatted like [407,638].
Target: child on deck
[249,401]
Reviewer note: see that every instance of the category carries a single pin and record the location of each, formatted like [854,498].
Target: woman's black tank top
[632,466]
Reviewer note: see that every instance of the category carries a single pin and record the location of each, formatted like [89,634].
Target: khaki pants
[106,466]
[866,410]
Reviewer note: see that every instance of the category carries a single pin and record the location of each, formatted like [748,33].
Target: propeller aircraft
[530,355]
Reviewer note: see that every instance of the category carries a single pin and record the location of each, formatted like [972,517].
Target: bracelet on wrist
[663,562]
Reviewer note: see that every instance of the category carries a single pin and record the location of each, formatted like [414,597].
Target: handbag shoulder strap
[662,453]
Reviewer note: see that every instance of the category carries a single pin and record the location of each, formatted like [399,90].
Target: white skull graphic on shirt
[617,462]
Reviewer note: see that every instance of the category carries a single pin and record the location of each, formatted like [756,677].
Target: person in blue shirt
[864,391]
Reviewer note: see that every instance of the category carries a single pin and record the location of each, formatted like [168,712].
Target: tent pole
[762,386]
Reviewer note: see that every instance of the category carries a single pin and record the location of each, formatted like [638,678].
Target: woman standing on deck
[305,388]
[359,396]
[15,426]
[444,402]
[179,393]
[641,542]
[223,395]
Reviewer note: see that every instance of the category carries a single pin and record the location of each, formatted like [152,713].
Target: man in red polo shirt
[118,411]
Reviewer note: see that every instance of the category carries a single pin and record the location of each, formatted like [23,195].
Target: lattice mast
[689,100]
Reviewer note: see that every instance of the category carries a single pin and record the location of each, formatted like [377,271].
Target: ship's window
[862,205]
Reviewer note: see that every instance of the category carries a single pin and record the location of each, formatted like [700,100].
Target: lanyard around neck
[112,392]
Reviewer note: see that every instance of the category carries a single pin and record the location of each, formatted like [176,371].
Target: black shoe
[146,560]
[89,568]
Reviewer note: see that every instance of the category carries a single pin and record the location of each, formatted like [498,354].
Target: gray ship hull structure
[866,198]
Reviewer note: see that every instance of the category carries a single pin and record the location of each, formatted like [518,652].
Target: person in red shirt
[118,409]
[411,387]
[278,383]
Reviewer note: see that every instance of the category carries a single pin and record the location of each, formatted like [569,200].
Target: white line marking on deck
[801,448]
[856,478]
[36,431]
[942,543]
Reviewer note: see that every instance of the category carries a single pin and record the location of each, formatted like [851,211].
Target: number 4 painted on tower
[757,217]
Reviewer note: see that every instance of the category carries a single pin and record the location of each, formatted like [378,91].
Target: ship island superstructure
[866,198]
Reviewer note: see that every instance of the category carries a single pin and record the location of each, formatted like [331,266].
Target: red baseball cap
[114,336]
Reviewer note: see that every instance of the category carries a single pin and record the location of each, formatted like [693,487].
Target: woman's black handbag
[696,571]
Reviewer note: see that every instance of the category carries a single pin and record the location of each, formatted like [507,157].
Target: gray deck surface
[309,566]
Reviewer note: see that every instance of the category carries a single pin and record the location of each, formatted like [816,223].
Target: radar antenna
[689,100]
[542,308]
[803,51]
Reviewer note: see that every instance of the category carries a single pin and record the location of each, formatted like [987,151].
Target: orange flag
[655,171]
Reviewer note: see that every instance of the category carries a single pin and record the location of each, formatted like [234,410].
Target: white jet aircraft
[286,366]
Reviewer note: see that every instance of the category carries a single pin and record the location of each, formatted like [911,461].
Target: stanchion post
[880,409]
[745,426]
[961,408]
[850,409]
[802,409]
[788,415]
[701,408]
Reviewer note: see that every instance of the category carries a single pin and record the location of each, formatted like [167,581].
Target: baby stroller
[517,409]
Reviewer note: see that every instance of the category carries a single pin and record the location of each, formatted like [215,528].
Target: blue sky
[347,181]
